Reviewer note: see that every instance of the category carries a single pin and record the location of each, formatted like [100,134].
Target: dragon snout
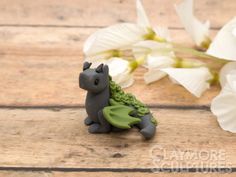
[82,81]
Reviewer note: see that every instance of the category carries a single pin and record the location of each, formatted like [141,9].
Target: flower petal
[229,68]
[153,75]
[193,79]
[162,32]
[224,44]
[99,58]
[117,66]
[142,18]
[234,31]
[119,70]
[154,64]
[159,61]
[144,48]
[223,106]
[126,82]
[114,37]
[231,80]
[197,30]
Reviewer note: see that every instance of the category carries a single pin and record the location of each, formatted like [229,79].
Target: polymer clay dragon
[109,108]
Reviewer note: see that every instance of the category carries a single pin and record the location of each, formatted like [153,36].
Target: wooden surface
[85,174]
[42,107]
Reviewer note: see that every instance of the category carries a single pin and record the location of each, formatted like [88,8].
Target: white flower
[155,64]
[224,44]
[161,33]
[224,105]
[120,71]
[116,40]
[106,41]
[160,62]
[198,31]
[157,55]
[109,42]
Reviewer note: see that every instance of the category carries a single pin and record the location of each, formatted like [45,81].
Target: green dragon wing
[118,115]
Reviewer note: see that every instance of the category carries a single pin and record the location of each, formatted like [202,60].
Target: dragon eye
[96,82]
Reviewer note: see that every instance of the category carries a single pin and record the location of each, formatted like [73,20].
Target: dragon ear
[106,70]
[86,65]
[99,69]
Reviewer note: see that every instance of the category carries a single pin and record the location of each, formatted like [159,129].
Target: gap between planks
[79,106]
[119,170]
[79,26]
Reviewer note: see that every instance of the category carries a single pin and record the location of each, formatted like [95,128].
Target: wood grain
[101,174]
[40,67]
[53,80]
[107,12]
[41,105]
[58,138]
[61,41]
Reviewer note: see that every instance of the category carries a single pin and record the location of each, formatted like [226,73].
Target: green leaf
[118,116]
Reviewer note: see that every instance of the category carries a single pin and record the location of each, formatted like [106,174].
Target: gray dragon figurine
[109,108]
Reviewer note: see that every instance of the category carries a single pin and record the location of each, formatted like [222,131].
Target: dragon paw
[94,128]
[97,128]
[88,121]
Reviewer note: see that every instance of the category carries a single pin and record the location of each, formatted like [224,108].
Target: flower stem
[179,48]
[186,63]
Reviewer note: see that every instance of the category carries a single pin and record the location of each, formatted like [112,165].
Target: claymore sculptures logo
[189,160]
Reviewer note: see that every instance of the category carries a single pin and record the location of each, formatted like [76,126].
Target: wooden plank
[59,41]
[40,66]
[53,80]
[58,139]
[110,174]
[94,13]
[140,175]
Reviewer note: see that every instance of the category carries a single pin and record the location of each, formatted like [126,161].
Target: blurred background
[42,107]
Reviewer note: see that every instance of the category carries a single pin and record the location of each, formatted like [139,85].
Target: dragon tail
[147,126]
